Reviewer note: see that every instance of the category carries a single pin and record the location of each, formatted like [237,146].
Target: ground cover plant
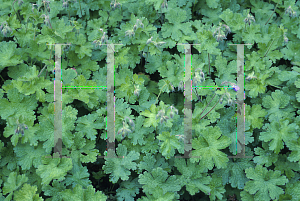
[149,99]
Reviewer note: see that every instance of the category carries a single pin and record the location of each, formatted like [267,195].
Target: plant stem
[159,93]
[207,105]
[210,109]
[34,34]
[42,70]
[16,12]
[269,47]
[49,61]
[271,14]
[2,78]
[80,8]
[208,64]
[48,15]
[197,95]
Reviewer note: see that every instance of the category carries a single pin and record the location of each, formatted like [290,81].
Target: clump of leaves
[264,184]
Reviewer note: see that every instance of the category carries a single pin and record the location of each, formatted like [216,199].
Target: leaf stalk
[271,14]
[269,47]
[15,11]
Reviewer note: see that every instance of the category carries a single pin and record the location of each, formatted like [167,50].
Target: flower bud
[221,100]
[202,75]
[173,111]
[149,40]
[161,112]
[127,131]
[249,18]
[227,28]
[196,80]
[171,115]
[180,137]
[4,31]
[285,38]
[136,92]
[158,114]
[131,123]
[180,86]
[129,33]
[161,43]
[103,38]
[65,4]
[172,87]
[164,4]
[220,37]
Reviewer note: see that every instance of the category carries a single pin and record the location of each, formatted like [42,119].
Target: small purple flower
[235,87]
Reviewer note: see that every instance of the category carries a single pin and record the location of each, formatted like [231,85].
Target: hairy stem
[42,70]
[271,14]
[197,95]
[34,34]
[210,109]
[2,78]
[207,105]
[269,47]
[48,15]
[80,8]
[208,64]
[160,93]
[15,11]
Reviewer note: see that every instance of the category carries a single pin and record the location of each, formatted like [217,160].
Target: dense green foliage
[149,91]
